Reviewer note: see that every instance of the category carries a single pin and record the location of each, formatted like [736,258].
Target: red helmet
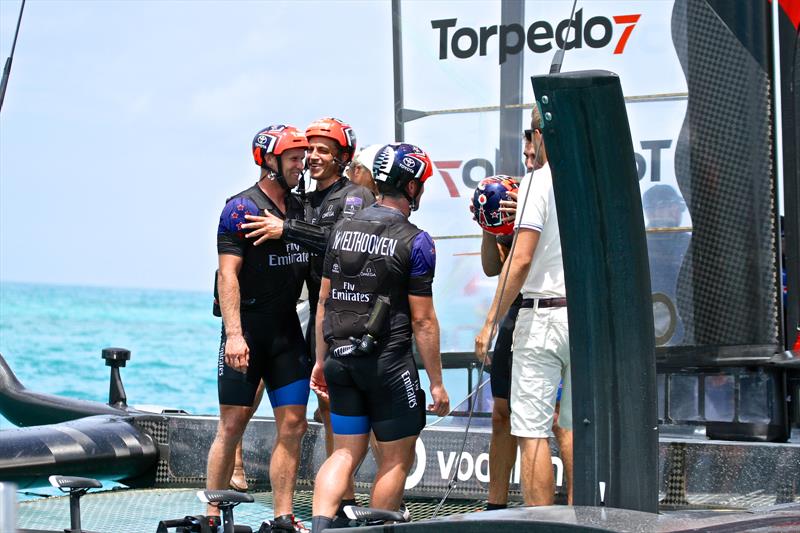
[397,164]
[486,204]
[276,140]
[335,129]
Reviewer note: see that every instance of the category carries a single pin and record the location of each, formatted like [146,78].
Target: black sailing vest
[369,255]
[342,199]
[272,273]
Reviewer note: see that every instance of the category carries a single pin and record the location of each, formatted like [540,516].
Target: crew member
[503,445]
[667,244]
[261,336]
[376,290]
[541,340]
[360,170]
[331,147]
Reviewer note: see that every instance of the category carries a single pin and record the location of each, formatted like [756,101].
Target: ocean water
[52,336]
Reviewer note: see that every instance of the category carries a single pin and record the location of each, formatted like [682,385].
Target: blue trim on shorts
[292,394]
[560,388]
[350,425]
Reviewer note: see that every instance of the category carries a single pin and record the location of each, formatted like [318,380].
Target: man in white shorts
[541,337]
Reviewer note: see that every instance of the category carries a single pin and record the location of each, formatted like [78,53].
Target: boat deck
[140,510]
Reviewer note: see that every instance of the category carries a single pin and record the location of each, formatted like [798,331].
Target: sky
[127,124]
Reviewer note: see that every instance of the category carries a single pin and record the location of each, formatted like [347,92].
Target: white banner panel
[452,56]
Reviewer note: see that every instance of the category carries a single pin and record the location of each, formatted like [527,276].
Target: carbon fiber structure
[692,472]
[727,287]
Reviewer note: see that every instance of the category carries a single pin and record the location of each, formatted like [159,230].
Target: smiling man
[261,334]
[331,147]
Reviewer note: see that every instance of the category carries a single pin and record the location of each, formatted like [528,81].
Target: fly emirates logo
[539,37]
[294,254]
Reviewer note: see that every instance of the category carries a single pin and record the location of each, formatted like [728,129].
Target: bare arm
[237,352]
[517,268]
[493,254]
[317,375]
[426,331]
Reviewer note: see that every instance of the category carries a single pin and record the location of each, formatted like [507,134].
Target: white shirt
[546,276]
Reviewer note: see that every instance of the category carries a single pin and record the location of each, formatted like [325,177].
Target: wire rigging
[10,59]
[555,68]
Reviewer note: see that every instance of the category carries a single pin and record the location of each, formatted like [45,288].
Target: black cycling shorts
[501,356]
[381,393]
[278,355]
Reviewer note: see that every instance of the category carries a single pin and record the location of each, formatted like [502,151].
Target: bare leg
[564,438]
[325,416]
[502,452]
[291,426]
[397,456]
[538,484]
[232,421]
[329,490]
[239,478]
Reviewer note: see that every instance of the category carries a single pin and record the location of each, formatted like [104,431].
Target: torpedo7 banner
[452,58]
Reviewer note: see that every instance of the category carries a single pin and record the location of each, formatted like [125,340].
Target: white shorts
[540,363]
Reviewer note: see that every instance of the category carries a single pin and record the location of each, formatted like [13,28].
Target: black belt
[528,303]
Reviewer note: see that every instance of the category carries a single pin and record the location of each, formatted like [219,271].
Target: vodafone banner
[452,54]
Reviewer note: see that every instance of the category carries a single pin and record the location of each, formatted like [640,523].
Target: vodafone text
[471,467]
[597,32]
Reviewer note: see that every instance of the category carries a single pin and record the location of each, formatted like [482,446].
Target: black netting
[726,288]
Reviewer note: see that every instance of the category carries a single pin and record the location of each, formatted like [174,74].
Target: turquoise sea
[52,337]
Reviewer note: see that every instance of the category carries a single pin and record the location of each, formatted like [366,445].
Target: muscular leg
[564,438]
[291,426]
[325,416]
[502,452]
[376,451]
[232,421]
[239,478]
[538,484]
[396,458]
[349,450]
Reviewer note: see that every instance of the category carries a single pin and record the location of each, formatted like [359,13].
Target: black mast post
[607,279]
[510,147]
[397,69]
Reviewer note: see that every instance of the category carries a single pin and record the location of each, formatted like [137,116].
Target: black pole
[397,69]
[509,160]
[75,509]
[612,353]
[7,67]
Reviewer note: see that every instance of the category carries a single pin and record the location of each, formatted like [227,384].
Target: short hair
[661,195]
[536,120]
[389,190]
[536,117]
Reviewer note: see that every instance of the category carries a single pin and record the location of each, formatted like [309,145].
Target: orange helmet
[276,140]
[335,129]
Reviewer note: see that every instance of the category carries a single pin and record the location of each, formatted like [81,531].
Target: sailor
[261,336]
[331,146]
[376,290]
[541,340]
[503,445]
[666,249]
[360,170]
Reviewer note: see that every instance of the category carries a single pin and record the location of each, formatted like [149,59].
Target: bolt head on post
[116,357]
